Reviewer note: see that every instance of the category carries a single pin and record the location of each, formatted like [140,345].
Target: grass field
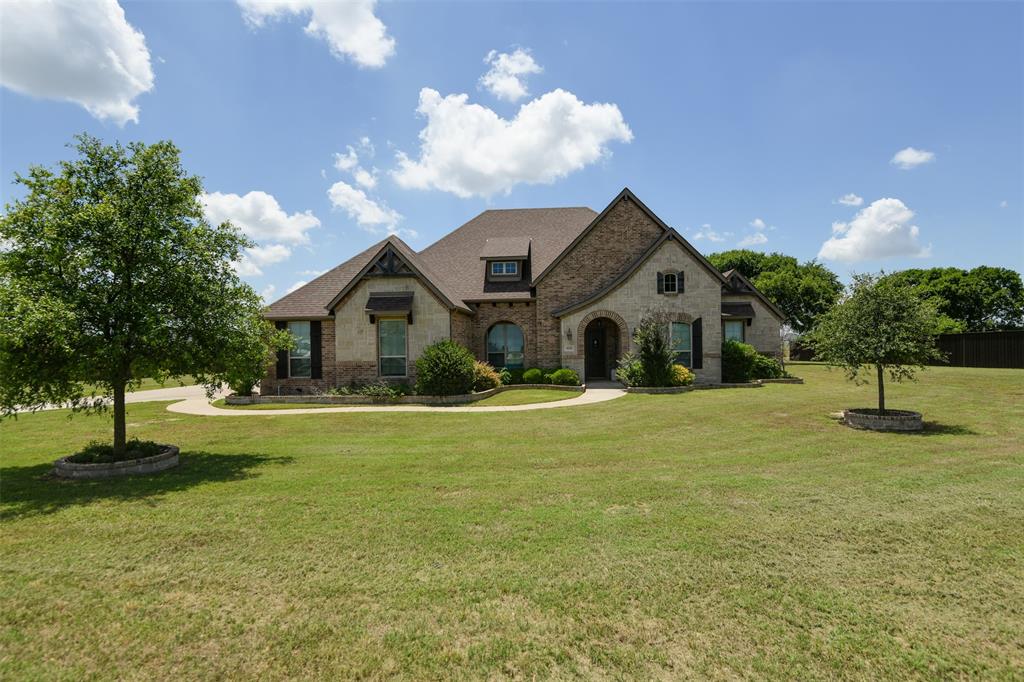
[150,384]
[711,534]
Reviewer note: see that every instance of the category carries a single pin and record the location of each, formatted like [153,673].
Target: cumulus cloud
[256,257]
[259,216]
[908,158]
[881,230]
[758,224]
[506,78]
[371,215]
[706,232]
[755,239]
[850,199]
[350,28]
[346,161]
[81,52]
[468,150]
[268,293]
[297,285]
[367,179]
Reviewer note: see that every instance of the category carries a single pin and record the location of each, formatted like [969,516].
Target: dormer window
[671,283]
[504,267]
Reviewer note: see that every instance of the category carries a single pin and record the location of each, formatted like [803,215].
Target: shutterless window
[734,330]
[679,335]
[499,267]
[391,347]
[505,346]
[671,283]
[300,358]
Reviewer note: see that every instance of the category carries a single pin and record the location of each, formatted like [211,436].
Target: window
[734,330]
[671,283]
[679,335]
[300,358]
[505,346]
[504,267]
[391,347]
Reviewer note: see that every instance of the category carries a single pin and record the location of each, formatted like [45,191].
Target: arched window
[505,346]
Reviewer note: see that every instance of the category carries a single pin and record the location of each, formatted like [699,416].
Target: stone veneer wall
[356,338]
[522,313]
[621,237]
[763,333]
[637,297]
[272,385]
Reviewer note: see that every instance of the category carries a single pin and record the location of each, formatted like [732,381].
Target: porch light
[568,333]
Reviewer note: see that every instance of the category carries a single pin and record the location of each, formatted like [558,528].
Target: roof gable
[738,284]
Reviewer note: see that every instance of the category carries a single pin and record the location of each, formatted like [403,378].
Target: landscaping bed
[893,420]
[79,467]
[357,399]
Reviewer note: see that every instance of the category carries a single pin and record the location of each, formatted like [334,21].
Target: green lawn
[721,534]
[526,396]
[269,406]
[150,384]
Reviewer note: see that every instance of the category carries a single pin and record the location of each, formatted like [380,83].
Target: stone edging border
[787,380]
[659,390]
[402,400]
[893,420]
[62,468]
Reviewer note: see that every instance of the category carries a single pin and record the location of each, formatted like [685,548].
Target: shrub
[681,376]
[653,352]
[515,376]
[382,390]
[97,453]
[565,377]
[485,377]
[506,376]
[766,367]
[444,368]
[629,370]
[533,376]
[737,362]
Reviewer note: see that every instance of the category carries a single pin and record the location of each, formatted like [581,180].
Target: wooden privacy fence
[970,349]
[983,349]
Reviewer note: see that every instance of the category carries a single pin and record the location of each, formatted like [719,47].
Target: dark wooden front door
[597,350]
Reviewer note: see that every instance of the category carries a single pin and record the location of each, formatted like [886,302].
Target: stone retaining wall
[146,465]
[892,420]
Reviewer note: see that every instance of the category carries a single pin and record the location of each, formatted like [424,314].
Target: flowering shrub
[681,376]
[485,377]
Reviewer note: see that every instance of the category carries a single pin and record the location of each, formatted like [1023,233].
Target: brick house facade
[522,287]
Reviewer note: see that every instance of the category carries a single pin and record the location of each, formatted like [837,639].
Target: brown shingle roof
[457,255]
[506,247]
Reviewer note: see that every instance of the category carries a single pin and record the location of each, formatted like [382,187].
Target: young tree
[882,323]
[109,273]
[801,290]
[654,351]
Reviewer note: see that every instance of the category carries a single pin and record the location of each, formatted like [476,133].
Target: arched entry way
[601,348]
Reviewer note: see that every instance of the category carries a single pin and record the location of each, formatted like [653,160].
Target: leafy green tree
[882,323]
[109,273]
[981,299]
[801,290]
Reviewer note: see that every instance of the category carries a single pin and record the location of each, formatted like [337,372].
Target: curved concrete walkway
[200,406]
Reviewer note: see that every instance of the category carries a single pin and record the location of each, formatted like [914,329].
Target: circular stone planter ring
[892,420]
[147,465]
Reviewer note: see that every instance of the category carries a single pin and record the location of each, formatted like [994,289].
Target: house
[545,287]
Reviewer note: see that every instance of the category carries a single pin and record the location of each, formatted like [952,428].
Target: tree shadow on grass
[31,490]
[939,429]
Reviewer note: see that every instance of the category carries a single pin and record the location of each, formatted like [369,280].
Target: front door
[597,352]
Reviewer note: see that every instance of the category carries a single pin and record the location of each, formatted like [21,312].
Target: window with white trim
[670,283]
[504,267]
[391,347]
[733,330]
[681,343]
[300,358]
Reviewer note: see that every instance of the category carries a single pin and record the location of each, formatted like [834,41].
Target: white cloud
[311,273]
[706,232]
[268,293]
[255,257]
[754,239]
[350,28]
[758,224]
[259,216]
[506,78]
[468,150]
[908,158]
[881,230]
[300,283]
[850,199]
[346,161]
[366,178]
[373,216]
[81,52]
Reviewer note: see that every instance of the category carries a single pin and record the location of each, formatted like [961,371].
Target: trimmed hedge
[564,377]
[741,363]
[533,376]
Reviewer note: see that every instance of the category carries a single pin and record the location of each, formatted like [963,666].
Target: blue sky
[734,122]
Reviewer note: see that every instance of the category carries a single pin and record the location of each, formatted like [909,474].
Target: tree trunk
[881,390]
[120,432]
